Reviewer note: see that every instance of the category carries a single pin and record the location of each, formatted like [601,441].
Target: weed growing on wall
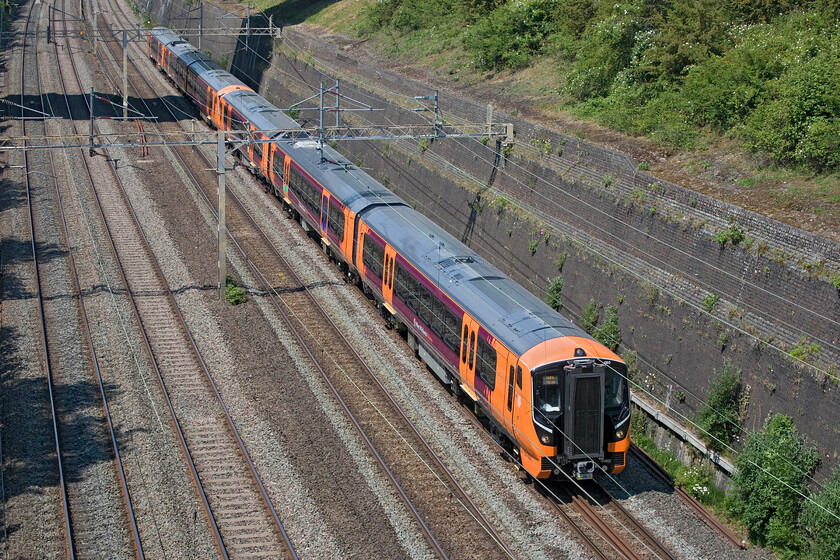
[718,417]
[553,296]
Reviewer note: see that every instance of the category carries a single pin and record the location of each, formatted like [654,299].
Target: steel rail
[264,493]
[44,340]
[229,421]
[690,501]
[403,496]
[107,231]
[89,337]
[461,494]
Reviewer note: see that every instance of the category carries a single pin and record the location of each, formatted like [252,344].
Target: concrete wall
[644,245]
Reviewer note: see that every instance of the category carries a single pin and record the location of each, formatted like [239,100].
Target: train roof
[214,75]
[510,313]
[262,114]
[354,188]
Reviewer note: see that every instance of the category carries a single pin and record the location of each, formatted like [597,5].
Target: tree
[770,483]
[821,520]
[718,418]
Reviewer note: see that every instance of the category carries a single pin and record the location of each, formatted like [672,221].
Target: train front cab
[577,389]
[579,409]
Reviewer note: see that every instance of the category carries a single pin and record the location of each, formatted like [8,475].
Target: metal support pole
[321,121]
[125,73]
[200,23]
[489,118]
[49,21]
[90,150]
[221,234]
[337,103]
[437,111]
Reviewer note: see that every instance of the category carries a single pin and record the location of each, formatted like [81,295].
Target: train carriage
[559,398]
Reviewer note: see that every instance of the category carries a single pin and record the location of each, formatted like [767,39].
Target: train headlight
[545,438]
[619,434]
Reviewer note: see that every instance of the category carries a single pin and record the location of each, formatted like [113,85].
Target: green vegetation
[803,350]
[608,332]
[820,525]
[764,73]
[553,295]
[769,493]
[732,234]
[233,294]
[767,490]
[696,480]
[710,301]
[532,246]
[589,316]
[561,260]
[718,417]
[499,203]
[835,281]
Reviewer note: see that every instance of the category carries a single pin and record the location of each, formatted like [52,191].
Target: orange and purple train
[557,398]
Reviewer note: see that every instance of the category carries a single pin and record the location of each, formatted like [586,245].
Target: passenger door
[510,393]
[469,343]
[325,207]
[286,166]
[388,274]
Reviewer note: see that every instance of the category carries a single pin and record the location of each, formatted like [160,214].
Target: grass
[696,480]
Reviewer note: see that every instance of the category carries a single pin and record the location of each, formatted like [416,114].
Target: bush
[608,50]
[718,417]
[589,317]
[767,490]
[821,520]
[608,332]
[799,120]
[553,296]
[234,295]
[511,34]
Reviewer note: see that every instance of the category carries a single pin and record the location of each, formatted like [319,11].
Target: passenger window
[510,390]
[486,365]
[472,349]
[519,376]
[464,346]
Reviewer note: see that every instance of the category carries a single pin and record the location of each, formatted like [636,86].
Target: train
[556,398]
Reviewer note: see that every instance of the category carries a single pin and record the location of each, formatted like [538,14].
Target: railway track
[97,506]
[690,502]
[239,512]
[615,525]
[438,495]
